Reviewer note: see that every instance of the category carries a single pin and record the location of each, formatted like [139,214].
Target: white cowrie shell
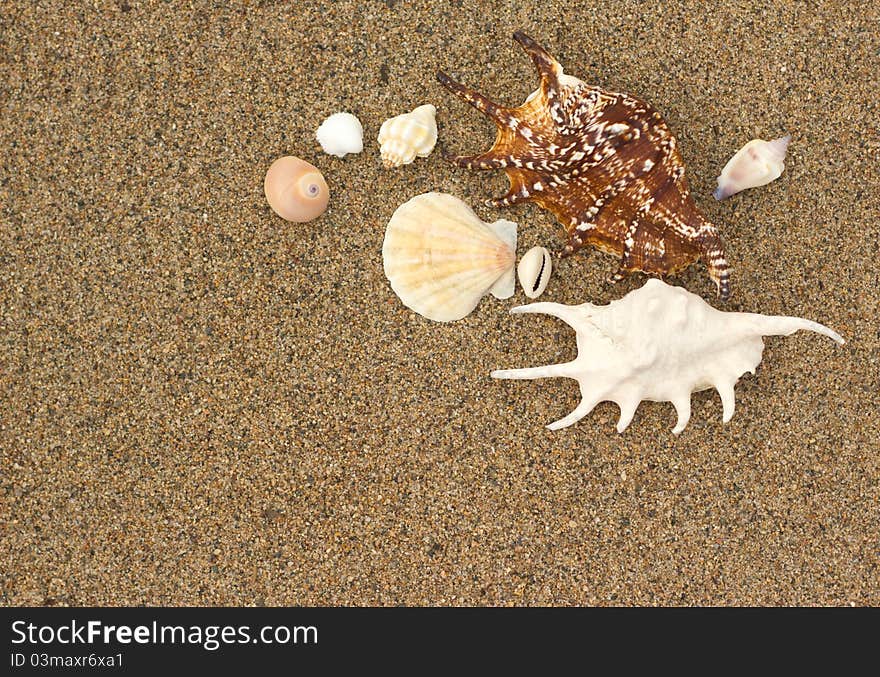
[534,271]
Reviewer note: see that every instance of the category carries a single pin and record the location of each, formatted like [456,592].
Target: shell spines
[658,343]
[606,164]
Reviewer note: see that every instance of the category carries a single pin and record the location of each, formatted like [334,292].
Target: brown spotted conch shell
[606,164]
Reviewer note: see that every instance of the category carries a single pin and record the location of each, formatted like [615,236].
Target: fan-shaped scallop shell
[441,259]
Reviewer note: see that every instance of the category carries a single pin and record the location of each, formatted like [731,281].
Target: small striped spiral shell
[405,137]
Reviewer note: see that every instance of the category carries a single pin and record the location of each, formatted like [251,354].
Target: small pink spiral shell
[296,190]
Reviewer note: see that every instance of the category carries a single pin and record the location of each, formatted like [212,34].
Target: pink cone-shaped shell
[756,164]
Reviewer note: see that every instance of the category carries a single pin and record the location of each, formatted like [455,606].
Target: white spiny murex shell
[406,136]
[441,259]
[756,164]
[534,271]
[658,343]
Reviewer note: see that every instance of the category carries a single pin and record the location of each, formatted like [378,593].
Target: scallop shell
[534,271]
[756,164]
[659,343]
[405,137]
[441,259]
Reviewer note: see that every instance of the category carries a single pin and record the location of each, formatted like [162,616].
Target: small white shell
[756,164]
[340,134]
[441,259]
[534,271]
[405,137]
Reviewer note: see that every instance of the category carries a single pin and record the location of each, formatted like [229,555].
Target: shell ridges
[441,259]
[404,138]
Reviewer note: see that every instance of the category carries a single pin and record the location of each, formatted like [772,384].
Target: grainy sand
[202,404]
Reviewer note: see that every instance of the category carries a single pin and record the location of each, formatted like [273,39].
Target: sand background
[203,404]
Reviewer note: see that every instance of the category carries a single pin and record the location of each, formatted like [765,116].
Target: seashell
[441,259]
[534,271]
[658,343]
[403,138]
[340,134]
[606,164]
[295,189]
[756,164]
